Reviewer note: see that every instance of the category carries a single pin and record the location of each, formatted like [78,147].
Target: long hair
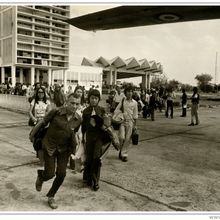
[37,96]
[83,101]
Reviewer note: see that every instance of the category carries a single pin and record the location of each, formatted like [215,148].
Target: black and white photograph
[110,108]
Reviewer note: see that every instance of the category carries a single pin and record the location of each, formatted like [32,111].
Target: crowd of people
[20,89]
[79,129]
[162,99]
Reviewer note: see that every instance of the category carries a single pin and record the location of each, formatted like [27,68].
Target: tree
[174,84]
[187,87]
[158,82]
[203,81]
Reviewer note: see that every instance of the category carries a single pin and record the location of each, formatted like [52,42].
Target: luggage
[117,119]
[135,137]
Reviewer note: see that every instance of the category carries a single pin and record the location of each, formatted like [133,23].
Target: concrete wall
[14,102]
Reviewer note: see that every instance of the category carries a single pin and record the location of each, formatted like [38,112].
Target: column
[144,81]
[13,76]
[110,78]
[148,81]
[49,73]
[52,78]
[37,75]
[65,80]
[3,75]
[115,78]
[21,76]
[32,75]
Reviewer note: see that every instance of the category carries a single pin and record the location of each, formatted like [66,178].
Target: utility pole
[216,76]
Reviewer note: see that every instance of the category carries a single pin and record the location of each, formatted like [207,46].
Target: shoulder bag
[118,117]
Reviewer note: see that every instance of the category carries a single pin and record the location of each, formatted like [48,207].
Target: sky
[184,49]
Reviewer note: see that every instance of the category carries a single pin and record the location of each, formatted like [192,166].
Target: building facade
[118,68]
[34,42]
[80,75]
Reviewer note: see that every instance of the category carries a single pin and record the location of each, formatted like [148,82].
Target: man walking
[194,107]
[58,143]
[59,96]
[130,112]
[184,103]
[170,99]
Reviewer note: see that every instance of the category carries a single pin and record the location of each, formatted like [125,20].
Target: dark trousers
[93,152]
[146,112]
[169,107]
[152,110]
[183,110]
[57,162]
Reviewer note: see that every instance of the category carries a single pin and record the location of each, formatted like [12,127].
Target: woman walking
[39,107]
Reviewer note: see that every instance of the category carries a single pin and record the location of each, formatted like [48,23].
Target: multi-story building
[34,42]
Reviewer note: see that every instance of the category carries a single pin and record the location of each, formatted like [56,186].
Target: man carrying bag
[58,144]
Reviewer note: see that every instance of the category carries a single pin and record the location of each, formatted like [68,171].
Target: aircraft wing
[133,16]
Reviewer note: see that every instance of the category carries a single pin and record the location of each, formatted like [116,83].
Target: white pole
[216,67]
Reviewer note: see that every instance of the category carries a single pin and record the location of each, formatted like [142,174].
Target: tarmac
[173,168]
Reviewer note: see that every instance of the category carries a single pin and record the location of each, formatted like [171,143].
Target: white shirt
[118,97]
[40,108]
[130,109]
[147,98]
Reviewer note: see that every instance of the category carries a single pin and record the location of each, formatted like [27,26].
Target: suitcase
[135,137]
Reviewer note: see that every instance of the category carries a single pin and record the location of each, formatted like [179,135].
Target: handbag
[118,117]
[30,121]
[37,144]
[38,132]
[135,137]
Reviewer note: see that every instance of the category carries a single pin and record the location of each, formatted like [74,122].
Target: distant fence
[14,103]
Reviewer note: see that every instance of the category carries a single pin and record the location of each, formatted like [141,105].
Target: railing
[14,102]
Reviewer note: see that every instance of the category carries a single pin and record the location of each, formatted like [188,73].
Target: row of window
[40,62]
[40,35]
[45,22]
[57,6]
[40,28]
[43,49]
[40,55]
[43,9]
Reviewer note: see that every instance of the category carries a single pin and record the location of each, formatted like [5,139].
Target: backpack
[39,131]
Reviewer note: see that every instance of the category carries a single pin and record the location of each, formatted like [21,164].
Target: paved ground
[174,167]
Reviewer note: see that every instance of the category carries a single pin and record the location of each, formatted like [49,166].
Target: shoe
[119,155]
[196,123]
[96,187]
[52,203]
[38,184]
[192,124]
[124,159]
